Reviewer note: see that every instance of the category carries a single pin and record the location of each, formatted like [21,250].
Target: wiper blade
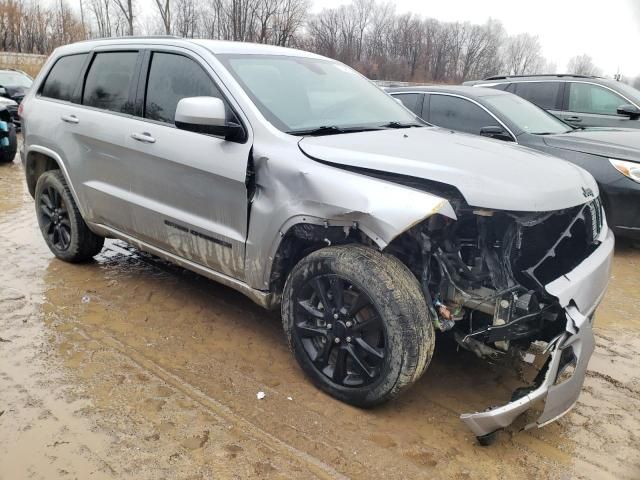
[330,130]
[401,125]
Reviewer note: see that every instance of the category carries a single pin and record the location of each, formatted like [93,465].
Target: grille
[557,245]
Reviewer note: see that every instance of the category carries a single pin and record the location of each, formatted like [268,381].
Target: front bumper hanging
[579,292]
[569,350]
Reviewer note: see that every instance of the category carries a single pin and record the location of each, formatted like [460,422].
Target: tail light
[20,109]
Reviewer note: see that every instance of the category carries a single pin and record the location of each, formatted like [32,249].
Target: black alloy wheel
[55,218]
[340,330]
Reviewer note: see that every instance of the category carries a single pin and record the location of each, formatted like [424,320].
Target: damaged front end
[516,284]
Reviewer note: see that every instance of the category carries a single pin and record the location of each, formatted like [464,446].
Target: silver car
[293,179]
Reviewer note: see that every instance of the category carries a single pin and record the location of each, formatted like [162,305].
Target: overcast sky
[608,30]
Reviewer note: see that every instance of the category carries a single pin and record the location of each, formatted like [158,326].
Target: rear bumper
[579,292]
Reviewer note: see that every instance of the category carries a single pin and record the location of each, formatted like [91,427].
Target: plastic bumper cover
[579,292]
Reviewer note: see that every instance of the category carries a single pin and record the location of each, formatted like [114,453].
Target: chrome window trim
[515,139]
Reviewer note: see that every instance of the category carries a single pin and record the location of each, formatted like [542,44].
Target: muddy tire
[61,224]
[9,153]
[357,323]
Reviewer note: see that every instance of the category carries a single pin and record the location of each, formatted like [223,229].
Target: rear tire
[62,226]
[361,355]
[8,154]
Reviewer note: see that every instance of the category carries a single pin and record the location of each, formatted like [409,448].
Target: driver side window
[171,78]
[588,98]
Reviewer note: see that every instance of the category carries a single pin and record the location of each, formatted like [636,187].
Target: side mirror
[207,115]
[496,132]
[630,111]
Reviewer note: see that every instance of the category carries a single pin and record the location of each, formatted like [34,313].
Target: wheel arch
[306,236]
[39,160]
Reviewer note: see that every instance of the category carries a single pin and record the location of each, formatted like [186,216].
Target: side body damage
[503,284]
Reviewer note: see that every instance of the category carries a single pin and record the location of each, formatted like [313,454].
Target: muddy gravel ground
[129,367]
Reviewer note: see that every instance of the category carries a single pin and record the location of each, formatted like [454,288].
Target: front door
[591,105]
[190,191]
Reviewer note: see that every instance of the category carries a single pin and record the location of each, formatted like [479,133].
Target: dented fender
[319,194]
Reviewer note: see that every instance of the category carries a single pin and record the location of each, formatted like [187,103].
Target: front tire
[357,323]
[62,226]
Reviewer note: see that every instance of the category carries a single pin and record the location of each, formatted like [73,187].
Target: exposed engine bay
[483,275]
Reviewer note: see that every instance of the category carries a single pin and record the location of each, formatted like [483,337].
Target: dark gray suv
[579,100]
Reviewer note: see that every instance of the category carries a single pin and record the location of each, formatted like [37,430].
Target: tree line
[366,34]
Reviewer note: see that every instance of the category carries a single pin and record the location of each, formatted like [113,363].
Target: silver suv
[293,179]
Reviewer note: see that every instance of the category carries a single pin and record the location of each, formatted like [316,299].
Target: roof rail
[131,37]
[558,75]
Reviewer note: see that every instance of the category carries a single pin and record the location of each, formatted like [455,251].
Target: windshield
[628,91]
[15,79]
[526,116]
[298,94]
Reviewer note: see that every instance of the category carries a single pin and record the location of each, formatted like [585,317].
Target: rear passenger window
[544,94]
[413,101]
[587,98]
[109,80]
[63,77]
[171,78]
[458,114]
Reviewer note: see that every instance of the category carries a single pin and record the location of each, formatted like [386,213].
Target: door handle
[144,137]
[70,119]
[573,119]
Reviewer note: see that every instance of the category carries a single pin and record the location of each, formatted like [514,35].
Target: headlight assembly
[628,169]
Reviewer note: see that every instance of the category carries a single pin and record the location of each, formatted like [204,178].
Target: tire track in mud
[313,464]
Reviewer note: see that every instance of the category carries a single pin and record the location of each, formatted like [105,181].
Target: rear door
[592,105]
[547,95]
[99,125]
[189,189]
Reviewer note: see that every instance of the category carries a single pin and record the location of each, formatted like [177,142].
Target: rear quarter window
[63,77]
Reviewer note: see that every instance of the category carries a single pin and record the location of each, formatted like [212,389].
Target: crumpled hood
[489,173]
[621,143]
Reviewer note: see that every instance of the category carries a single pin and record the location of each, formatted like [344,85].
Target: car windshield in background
[628,91]
[302,95]
[15,79]
[526,115]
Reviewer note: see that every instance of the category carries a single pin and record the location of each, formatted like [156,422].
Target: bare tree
[126,7]
[583,65]
[523,55]
[164,8]
[367,34]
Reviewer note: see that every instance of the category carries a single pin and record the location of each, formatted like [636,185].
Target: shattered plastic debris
[289,398]
[260,395]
